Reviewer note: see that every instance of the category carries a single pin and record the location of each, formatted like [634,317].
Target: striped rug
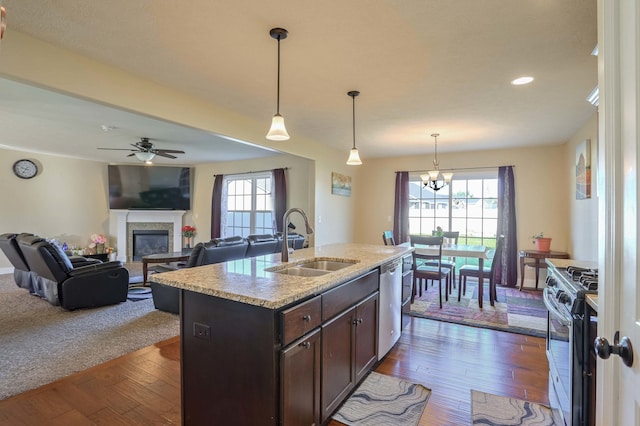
[494,410]
[384,400]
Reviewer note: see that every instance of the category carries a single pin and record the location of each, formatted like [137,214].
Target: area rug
[384,400]
[515,311]
[40,343]
[493,410]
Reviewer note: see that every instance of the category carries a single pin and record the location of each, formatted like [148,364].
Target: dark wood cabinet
[366,336]
[349,350]
[248,365]
[300,381]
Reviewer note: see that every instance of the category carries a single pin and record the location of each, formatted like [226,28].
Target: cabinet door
[366,335]
[338,354]
[300,381]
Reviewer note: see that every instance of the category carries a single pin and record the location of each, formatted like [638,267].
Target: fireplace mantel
[120,218]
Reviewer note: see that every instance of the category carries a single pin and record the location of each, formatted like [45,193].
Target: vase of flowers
[188,232]
[98,241]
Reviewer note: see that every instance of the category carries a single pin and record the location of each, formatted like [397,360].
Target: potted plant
[542,243]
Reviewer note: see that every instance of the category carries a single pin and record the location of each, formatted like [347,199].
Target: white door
[618,396]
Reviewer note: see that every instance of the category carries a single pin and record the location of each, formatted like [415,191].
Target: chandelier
[432,178]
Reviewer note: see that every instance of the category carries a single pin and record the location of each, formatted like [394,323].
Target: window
[247,205]
[468,205]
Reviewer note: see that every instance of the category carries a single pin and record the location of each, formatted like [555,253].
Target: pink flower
[98,239]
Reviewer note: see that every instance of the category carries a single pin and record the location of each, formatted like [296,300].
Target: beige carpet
[40,343]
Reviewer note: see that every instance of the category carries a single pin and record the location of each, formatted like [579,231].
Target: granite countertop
[248,281]
[592,300]
[564,263]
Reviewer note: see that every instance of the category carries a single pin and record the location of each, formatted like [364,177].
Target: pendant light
[432,177]
[278,132]
[354,156]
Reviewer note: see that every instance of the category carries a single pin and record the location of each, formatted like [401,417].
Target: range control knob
[551,282]
[564,298]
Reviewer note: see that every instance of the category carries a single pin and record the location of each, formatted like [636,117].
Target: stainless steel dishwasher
[390,306]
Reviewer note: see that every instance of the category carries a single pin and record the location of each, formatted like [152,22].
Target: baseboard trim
[6,270]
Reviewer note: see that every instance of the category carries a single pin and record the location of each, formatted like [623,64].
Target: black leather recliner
[81,284]
[261,244]
[22,275]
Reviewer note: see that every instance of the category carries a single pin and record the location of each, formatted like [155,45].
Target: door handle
[622,348]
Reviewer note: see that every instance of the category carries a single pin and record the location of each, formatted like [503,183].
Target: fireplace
[124,222]
[149,242]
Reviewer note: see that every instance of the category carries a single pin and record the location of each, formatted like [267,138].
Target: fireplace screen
[149,242]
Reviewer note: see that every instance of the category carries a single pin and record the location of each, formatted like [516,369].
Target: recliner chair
[22,275]
[70,285]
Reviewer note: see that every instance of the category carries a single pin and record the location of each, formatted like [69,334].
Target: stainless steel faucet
[285,230]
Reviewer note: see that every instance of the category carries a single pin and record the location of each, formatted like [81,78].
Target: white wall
[583,213]
[67,200]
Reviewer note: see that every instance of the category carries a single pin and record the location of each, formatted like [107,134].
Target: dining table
[462,250]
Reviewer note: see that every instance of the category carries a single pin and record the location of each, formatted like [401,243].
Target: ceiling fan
[146,151]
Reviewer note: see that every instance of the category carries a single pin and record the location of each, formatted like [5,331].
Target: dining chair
[387,238]
[487,272]
[450,262]
[424,272]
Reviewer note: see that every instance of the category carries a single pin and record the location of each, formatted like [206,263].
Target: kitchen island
[259,346]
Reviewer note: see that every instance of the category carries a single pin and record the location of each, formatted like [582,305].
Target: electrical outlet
[201,331]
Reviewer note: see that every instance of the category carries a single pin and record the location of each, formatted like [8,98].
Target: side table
[160,258]
[538,261]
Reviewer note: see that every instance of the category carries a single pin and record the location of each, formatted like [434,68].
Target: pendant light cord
[353,98]
[278,85]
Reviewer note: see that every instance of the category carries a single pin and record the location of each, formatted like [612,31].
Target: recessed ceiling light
[106,128]
[522,80]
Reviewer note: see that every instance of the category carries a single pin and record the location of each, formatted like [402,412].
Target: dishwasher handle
[390,267]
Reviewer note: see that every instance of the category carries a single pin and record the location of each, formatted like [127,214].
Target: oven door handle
[546,298]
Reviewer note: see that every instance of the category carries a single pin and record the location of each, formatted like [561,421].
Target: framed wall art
[583,170]
[340,184]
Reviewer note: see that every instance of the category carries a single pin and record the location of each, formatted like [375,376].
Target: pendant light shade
[278,132]
[354,155]
[432,179]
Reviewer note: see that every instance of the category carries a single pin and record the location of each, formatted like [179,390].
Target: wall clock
[25,169]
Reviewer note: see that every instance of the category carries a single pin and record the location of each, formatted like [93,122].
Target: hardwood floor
[144,387]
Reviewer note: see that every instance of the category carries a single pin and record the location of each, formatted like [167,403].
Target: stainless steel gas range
[568,331]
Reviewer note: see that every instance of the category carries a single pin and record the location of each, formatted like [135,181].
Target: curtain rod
[457,169]
[251,171]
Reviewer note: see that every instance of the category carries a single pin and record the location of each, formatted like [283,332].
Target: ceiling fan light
[145,156]
[278,132]
[354,158]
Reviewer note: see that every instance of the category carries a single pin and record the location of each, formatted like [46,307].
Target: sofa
[167,298]
[71,283]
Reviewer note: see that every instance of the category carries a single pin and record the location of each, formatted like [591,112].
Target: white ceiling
[422,66]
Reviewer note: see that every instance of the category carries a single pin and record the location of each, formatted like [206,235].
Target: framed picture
[583,170]
[340,184]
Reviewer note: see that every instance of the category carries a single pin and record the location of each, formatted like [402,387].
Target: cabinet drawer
[299,319]
[344,296]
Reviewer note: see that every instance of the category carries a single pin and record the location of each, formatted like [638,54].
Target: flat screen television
[149,187]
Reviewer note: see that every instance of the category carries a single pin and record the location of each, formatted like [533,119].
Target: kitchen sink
[312,268]
[301,272]
[327,265]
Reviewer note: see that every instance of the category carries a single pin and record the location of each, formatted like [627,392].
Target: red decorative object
[543,244]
